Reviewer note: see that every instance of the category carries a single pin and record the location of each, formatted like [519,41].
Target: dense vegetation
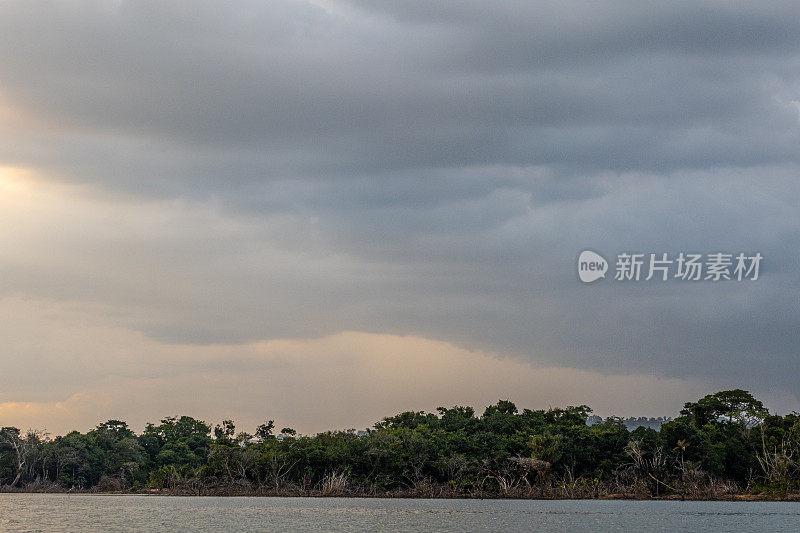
[723,444]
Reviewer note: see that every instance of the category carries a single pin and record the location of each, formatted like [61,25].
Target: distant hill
[632,422]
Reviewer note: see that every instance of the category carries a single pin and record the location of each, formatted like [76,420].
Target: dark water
[59,512]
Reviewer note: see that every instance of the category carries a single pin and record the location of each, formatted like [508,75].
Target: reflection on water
[61,512]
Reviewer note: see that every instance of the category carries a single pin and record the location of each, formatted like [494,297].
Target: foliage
[721,443]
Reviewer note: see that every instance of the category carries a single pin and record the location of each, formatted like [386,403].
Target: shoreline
[743,497]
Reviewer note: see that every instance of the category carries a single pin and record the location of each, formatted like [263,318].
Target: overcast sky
[328,212]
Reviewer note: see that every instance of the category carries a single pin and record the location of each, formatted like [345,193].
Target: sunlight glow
[15,179]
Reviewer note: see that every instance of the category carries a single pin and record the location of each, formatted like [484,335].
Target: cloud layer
[244,172]
[350,379]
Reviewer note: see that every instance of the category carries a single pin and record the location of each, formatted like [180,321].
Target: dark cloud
[292,90]
[428,168]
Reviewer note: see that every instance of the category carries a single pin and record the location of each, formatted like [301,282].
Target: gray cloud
[416,167]
[293,91]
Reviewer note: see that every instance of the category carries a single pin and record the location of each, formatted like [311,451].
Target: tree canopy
[725,442]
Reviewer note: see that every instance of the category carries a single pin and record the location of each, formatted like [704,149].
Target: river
[85,512]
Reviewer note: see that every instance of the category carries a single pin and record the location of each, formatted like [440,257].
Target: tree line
[721,445]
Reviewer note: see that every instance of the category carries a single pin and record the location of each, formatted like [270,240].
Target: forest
[723,446]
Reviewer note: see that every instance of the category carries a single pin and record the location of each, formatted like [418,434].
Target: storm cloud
[240,172]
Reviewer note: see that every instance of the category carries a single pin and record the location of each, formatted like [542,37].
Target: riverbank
[709,453]
[552,495]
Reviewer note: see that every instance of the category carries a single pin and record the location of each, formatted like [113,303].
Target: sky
[328,212]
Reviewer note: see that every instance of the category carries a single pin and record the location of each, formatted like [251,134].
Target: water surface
[84,512]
